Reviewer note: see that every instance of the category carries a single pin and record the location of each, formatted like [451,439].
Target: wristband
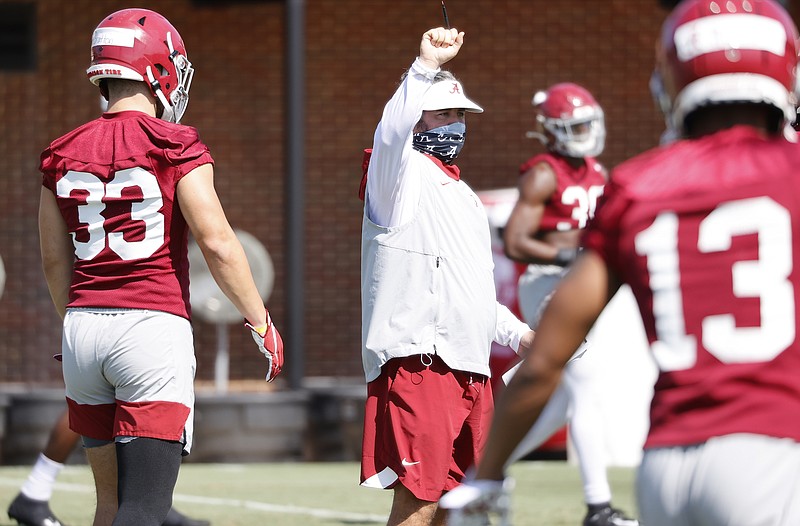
[261,329]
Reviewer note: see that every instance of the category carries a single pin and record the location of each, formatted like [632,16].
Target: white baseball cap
[447,94]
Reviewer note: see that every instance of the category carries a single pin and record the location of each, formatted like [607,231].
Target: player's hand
[439,45]
[475,501]
[270,343]
[566,256]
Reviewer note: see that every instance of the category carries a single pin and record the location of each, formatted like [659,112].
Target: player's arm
[56,250]
[576,304]
[536,186]
[215,237]
[227,261]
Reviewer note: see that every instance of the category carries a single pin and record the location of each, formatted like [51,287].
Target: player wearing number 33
[120,196]
[706,231]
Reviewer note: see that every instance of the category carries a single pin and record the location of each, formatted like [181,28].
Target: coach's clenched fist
[439,45]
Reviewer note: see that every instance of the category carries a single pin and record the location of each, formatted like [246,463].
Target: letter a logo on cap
[446,95]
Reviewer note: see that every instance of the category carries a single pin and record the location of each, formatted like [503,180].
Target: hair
[440,76]
[444,75]
[119,88]
[122,87]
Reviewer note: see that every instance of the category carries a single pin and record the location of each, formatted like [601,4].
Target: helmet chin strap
[542,138]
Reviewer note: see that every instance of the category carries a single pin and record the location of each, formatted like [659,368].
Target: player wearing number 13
[706,231]
[120,196]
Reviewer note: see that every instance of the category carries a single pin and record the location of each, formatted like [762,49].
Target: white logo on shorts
[408,462]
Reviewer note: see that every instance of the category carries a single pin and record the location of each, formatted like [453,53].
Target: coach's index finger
[439,45]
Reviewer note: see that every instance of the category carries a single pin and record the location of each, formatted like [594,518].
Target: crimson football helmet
[573,118]
[139,44]
[737,51]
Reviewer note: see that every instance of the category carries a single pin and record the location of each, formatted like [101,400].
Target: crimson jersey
[574,200]
[115,180]
[707,233]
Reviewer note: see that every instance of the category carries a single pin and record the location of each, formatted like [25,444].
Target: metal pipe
[295,188]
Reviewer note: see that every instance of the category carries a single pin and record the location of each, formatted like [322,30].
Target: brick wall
[356,52]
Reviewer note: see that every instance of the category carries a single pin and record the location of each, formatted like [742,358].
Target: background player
[120,196]
[707,233]
[558,192]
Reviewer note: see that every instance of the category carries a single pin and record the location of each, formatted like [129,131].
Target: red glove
[270,343]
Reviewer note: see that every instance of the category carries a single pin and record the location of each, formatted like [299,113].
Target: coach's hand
[439,45]
[525,344]
[270,343]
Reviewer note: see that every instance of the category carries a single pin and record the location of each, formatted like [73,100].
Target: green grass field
[317,494]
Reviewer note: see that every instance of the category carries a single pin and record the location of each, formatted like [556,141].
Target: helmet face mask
[174,108]
[141,45]
[712,53]
[573,120]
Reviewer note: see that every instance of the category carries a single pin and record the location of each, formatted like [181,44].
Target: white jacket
[426,259]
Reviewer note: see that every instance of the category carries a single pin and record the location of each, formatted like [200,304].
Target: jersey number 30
[584,201]
[766,278]
[146,210]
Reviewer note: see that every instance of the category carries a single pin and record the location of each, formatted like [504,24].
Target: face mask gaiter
[444,142]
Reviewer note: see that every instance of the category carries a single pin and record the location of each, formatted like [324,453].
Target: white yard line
[282,508]
[233,503]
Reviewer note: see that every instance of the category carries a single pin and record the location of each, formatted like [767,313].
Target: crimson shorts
[424,426]
[129,373]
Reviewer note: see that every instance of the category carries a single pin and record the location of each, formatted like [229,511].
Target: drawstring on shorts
[426,359]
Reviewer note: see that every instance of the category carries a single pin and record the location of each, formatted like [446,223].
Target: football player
[120,195]
[558,192]
[706,231]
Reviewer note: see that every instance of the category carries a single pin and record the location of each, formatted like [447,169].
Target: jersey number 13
[766,278]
